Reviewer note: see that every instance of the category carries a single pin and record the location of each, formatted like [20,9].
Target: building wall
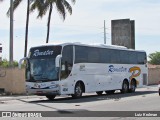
[153,76]
[123,33]
[132,22]
[12,80]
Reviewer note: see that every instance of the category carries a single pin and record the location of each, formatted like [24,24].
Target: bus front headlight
[54,86]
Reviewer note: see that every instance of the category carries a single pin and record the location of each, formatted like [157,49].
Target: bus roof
[89,45]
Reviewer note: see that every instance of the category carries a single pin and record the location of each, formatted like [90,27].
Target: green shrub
[5,63]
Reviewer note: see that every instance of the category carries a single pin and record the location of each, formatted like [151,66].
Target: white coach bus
[74,68]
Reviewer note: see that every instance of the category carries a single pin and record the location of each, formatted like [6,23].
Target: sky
[85,25]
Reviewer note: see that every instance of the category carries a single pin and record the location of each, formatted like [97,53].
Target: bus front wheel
[77,90]
[50,97]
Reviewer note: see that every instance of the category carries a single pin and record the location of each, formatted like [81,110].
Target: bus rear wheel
[50,97]
[77,91]
[133,86]
[125,87]
[99,92]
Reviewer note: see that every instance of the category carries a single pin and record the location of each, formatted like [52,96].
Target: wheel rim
[125,87]
[78,90]
[133,87]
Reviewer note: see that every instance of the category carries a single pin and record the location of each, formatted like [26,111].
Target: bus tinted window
[85,54]
[67,54]
[115,56]
[124,57]
[132,57]
[67,61]
[141,58]
[105,55]
[81,54]
[93,55]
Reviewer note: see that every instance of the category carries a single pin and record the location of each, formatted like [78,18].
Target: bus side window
[66,61]
[93,55]
[81,57]
[142,58]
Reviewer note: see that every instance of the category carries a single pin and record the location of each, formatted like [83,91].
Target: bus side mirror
[20,62]
[57,60]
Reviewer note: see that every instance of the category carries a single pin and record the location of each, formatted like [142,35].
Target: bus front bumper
[46,88]
[43,92]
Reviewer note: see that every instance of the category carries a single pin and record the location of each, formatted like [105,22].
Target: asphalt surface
[90,105]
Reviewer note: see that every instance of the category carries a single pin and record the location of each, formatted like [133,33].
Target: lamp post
[11,34]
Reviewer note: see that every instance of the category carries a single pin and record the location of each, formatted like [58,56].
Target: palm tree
[16,3]
[44,5]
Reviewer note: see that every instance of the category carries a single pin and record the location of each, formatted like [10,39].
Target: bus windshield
[43,69]
[41,63]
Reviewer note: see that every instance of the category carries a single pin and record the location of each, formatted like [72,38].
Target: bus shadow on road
[93,97]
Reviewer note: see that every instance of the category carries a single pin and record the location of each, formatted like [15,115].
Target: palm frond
[15,5]
[67,6]
[61,8]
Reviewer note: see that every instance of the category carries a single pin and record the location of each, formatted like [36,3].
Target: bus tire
[109,92]
[50,97]
[133,86]
[159,92]
[77,91]
[125,87]
[99,92]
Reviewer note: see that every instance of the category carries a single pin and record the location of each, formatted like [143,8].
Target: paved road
[144,99]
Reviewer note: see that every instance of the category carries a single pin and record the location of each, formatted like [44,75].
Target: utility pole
[11,34]
[104,32]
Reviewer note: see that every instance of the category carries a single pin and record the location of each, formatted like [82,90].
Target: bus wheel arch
[133,85]
[78,89]
[125,86]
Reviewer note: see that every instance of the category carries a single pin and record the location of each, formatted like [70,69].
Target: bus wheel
[125,87]
[109,92]
[50,97]
[99,92]
[77,91]
[133,86]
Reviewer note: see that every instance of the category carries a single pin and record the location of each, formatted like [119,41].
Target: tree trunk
[48,25]
[26,34]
